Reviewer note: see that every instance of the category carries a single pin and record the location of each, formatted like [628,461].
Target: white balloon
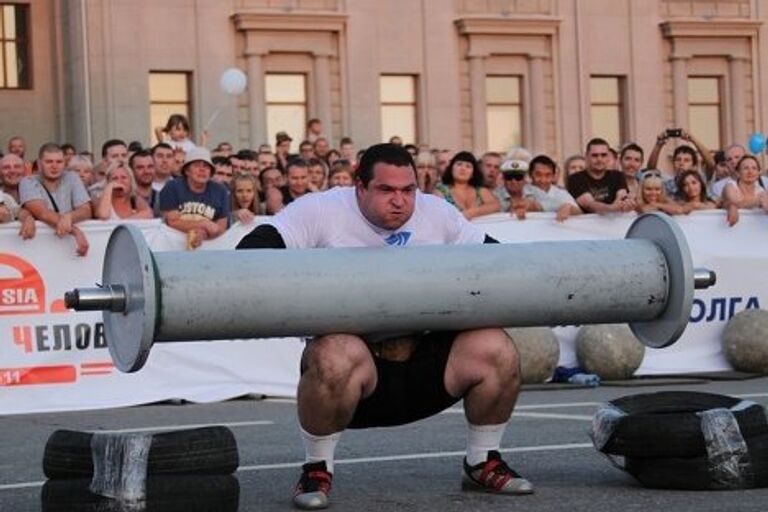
[233,81]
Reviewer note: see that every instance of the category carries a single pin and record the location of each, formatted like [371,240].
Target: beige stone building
[477,74]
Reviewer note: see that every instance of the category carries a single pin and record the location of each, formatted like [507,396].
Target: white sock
[481,439]
[319,448]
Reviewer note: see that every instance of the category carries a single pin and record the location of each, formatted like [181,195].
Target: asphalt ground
[409,468]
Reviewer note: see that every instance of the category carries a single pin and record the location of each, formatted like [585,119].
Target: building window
[504,112]
[704,110]
[607,109]
[169,93]
[286,97]
[14,54]
[398,107]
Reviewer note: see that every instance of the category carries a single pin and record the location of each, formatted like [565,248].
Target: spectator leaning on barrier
[297,179]
[192,203]
[599,189]
[546,193]
[652,197]
[143,167]
[462,186]
[692,192]
[516,197]
[56,197]
[11,172]
[746,192]
[118,199]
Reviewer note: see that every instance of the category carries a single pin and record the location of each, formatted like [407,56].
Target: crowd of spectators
[201,192]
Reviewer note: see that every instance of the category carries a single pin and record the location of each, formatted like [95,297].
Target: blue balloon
[756,142]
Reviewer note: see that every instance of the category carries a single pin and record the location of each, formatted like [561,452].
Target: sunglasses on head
[514,176]
[649,173]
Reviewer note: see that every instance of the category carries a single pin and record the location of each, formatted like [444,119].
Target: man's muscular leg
[484,369]
[338,372]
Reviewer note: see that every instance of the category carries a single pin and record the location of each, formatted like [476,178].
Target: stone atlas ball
[609,350]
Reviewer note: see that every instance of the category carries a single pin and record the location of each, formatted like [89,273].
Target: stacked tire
[186,470]
[686,440]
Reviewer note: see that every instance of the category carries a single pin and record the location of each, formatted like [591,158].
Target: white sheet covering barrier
[52,359]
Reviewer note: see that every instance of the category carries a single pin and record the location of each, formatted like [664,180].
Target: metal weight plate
[664,232]
[129,262]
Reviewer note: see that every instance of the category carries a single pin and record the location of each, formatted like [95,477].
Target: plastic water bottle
[585,379]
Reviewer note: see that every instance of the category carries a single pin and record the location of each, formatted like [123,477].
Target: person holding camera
[684,157]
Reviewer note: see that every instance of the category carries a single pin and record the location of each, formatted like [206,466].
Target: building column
[536,73]
[322,107]
[477,97]
[738,126]
[680,91]
[256,101]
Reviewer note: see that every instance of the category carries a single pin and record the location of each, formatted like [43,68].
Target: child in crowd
[176,133]
[317,171]
[652,197]
[692,192]
[245,199]
[341,175]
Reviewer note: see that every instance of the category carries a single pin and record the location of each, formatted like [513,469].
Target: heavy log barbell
[646,280]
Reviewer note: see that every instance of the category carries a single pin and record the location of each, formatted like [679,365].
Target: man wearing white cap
[193,203]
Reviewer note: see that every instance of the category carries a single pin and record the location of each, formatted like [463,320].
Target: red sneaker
[314,487]
[494,476]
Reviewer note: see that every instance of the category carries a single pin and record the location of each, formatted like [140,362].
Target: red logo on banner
[24,294]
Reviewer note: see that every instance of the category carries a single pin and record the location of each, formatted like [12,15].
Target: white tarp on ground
[52,359]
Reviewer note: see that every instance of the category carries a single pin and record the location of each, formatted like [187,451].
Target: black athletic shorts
[410,390]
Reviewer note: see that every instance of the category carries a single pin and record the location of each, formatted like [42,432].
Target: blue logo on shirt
[398,239]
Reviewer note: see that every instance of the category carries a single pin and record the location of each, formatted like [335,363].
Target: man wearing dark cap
[193,203]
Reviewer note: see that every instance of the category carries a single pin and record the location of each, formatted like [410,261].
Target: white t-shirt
[717,188]
[551,199]
[333,219]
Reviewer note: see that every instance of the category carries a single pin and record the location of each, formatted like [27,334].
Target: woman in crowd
[245,198]
[342,174]
[118,200]
[572,165]
[426,171]
[747,192]
[463,187]
[83,167]
[692,192]
[651,196]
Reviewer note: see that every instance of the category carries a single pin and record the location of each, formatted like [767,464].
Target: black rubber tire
[694,473]
[207,450]
[666,424]
[168,493]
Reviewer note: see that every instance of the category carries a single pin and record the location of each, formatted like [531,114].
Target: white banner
[52,359]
